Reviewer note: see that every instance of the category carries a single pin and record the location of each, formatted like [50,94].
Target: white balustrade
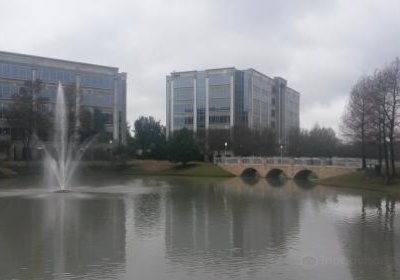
[342,162]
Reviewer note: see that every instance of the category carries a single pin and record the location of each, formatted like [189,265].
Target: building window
[219,104]
[5,131]
[3,108]
[183,107]
[183,93]
[219,119]
[220,91]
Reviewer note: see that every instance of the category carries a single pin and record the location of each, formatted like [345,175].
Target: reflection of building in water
[60,234]
[147,211]
[371,240]
[214,222]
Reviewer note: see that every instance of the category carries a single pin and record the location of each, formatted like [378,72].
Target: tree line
[150,142]
[371,119]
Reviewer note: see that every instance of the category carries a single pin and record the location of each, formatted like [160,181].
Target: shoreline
[150,168]
[359,181]
[136,168]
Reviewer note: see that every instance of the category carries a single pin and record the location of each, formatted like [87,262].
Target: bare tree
[356,121]
[391,78]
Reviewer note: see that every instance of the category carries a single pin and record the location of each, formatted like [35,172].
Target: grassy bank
[135,168]
[358,180]
[7,173]
[190,170]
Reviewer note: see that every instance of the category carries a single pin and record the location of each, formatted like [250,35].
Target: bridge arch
[276,173]
[305,174]
[249,172]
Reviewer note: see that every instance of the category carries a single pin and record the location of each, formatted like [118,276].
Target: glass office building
[99,87]
[221,98]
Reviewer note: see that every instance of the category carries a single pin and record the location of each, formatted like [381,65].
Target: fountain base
[63,191]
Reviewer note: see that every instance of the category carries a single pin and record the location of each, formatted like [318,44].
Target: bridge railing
[344,162]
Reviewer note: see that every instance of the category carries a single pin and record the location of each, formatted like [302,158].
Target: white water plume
[63,158]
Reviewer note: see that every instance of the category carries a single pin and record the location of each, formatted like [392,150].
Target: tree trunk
[385,151]
[391,133]
[380,147]
[28,149]
[392,156]
[364,161]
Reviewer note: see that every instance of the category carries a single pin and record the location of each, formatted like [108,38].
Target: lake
[196,228]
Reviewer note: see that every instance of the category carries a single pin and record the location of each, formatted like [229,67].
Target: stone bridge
[292,168]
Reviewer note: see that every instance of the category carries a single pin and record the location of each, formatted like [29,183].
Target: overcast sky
[319,47]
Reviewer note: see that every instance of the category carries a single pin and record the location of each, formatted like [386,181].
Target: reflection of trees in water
[371,240]
[226,222]
[59,234]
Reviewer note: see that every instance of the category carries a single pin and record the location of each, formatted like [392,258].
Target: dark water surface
[177,228]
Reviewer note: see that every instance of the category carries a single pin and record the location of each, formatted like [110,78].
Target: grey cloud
[320,47]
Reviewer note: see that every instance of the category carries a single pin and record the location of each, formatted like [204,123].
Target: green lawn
[360,181]
[191,170]
[199,170]
[196,169]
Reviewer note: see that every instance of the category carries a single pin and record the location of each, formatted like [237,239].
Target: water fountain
[63,157]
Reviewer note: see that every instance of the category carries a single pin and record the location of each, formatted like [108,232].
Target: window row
[220,119]
[3,109]
[220,91]
[97,81]
[8,89]
[183,108]
[182,121]
[183,94]
[95,99]
[14,71]
[55,75]
[89,97]
[219,104]
[219,79]
[183,82]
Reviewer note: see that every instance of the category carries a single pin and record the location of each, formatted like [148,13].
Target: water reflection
[147,212]
[229,222]
[277,182]
[176,228]
[61,236]
[370,239]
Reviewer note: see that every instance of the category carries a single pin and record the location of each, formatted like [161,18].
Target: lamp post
[40,152]
[226,144]
[281,147]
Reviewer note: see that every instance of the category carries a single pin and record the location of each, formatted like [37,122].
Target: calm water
[142,228]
